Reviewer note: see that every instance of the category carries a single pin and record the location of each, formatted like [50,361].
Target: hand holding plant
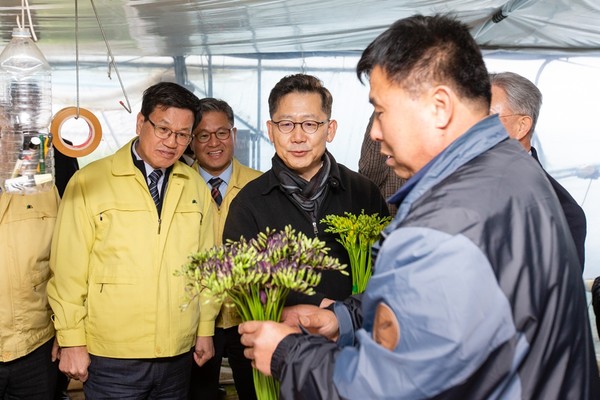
[258,275]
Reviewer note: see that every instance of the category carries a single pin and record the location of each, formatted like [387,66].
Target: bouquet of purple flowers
[258,275]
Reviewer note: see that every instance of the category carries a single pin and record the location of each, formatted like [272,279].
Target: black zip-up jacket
[262,204]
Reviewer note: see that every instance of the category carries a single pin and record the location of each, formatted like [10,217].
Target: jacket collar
[123,163]
[481,137]
[235,173]
[335,180]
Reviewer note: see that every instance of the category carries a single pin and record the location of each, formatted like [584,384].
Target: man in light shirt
[213,146]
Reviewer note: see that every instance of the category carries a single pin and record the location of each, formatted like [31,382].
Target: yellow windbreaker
[114,260]
[26,225]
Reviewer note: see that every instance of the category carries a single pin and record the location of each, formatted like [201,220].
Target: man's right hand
[314,319]
[74,362]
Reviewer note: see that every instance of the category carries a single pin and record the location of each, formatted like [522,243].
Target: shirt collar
[147,168]
[225,175]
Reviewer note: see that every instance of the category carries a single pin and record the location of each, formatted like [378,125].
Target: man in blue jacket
[475,294]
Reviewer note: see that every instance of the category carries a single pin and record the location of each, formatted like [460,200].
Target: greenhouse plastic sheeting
[184,27]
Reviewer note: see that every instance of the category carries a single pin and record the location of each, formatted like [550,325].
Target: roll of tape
[79,150]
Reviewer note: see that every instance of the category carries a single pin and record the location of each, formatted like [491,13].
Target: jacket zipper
[313,216]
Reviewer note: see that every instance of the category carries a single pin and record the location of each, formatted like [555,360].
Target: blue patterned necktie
[214,191]
[153,186]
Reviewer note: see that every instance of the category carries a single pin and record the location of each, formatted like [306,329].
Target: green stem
[267,388]
[366,272]
[353,252]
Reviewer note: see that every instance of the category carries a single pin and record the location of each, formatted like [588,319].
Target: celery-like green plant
[357,234]
[258,275]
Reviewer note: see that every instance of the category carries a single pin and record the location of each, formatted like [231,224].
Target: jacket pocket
[31,221]
[117,309]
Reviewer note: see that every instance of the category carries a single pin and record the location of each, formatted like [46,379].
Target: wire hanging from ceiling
[77,54]
[25,7]
[112,61]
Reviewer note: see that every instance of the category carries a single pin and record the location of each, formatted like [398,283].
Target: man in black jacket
[305,183]
[517,101]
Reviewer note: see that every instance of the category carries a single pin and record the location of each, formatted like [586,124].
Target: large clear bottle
[26,155]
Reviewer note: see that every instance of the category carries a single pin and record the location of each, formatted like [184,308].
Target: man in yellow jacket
[213,145]
[26,331]
[126,224]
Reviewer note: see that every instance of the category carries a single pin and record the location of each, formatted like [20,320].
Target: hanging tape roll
[79,150]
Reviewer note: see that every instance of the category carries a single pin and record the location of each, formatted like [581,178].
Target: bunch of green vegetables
[357,233]
[258,275]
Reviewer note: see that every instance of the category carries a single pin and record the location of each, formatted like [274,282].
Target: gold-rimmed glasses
[162,132]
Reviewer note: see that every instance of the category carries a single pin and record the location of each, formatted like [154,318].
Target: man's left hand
[204,350]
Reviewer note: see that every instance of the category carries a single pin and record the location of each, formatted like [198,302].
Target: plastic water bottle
[26,156]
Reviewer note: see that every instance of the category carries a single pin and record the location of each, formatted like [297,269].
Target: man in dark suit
[517,102]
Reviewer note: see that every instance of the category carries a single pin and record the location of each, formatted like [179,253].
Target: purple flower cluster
[258,274]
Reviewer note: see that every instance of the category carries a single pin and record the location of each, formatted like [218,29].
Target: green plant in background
[357,233]
[258,275]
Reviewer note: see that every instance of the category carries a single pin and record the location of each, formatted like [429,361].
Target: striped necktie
[153,186]
[214,191]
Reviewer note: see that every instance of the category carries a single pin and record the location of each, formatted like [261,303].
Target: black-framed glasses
[308,126]
[162,132]
[221,134]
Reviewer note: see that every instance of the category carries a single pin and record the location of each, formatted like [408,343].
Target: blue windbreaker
[482,275]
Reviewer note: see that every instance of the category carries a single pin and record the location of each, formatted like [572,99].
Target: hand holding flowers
[258,274]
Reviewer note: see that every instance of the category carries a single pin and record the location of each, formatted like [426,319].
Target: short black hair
[300,83]
[168,94]
[429,49]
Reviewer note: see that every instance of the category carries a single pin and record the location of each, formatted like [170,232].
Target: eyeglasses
[221,134]
[162,132]
[309,126]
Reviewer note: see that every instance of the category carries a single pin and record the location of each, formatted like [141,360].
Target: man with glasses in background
[126,224]
[305,183]
[517,101]
[213,145]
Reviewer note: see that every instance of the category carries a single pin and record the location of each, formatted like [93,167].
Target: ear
[442,102]
[270,127]
[331,130]
[139,122]
[524,122]
[234,134]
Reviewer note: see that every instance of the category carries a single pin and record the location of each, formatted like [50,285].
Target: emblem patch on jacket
[386,329]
